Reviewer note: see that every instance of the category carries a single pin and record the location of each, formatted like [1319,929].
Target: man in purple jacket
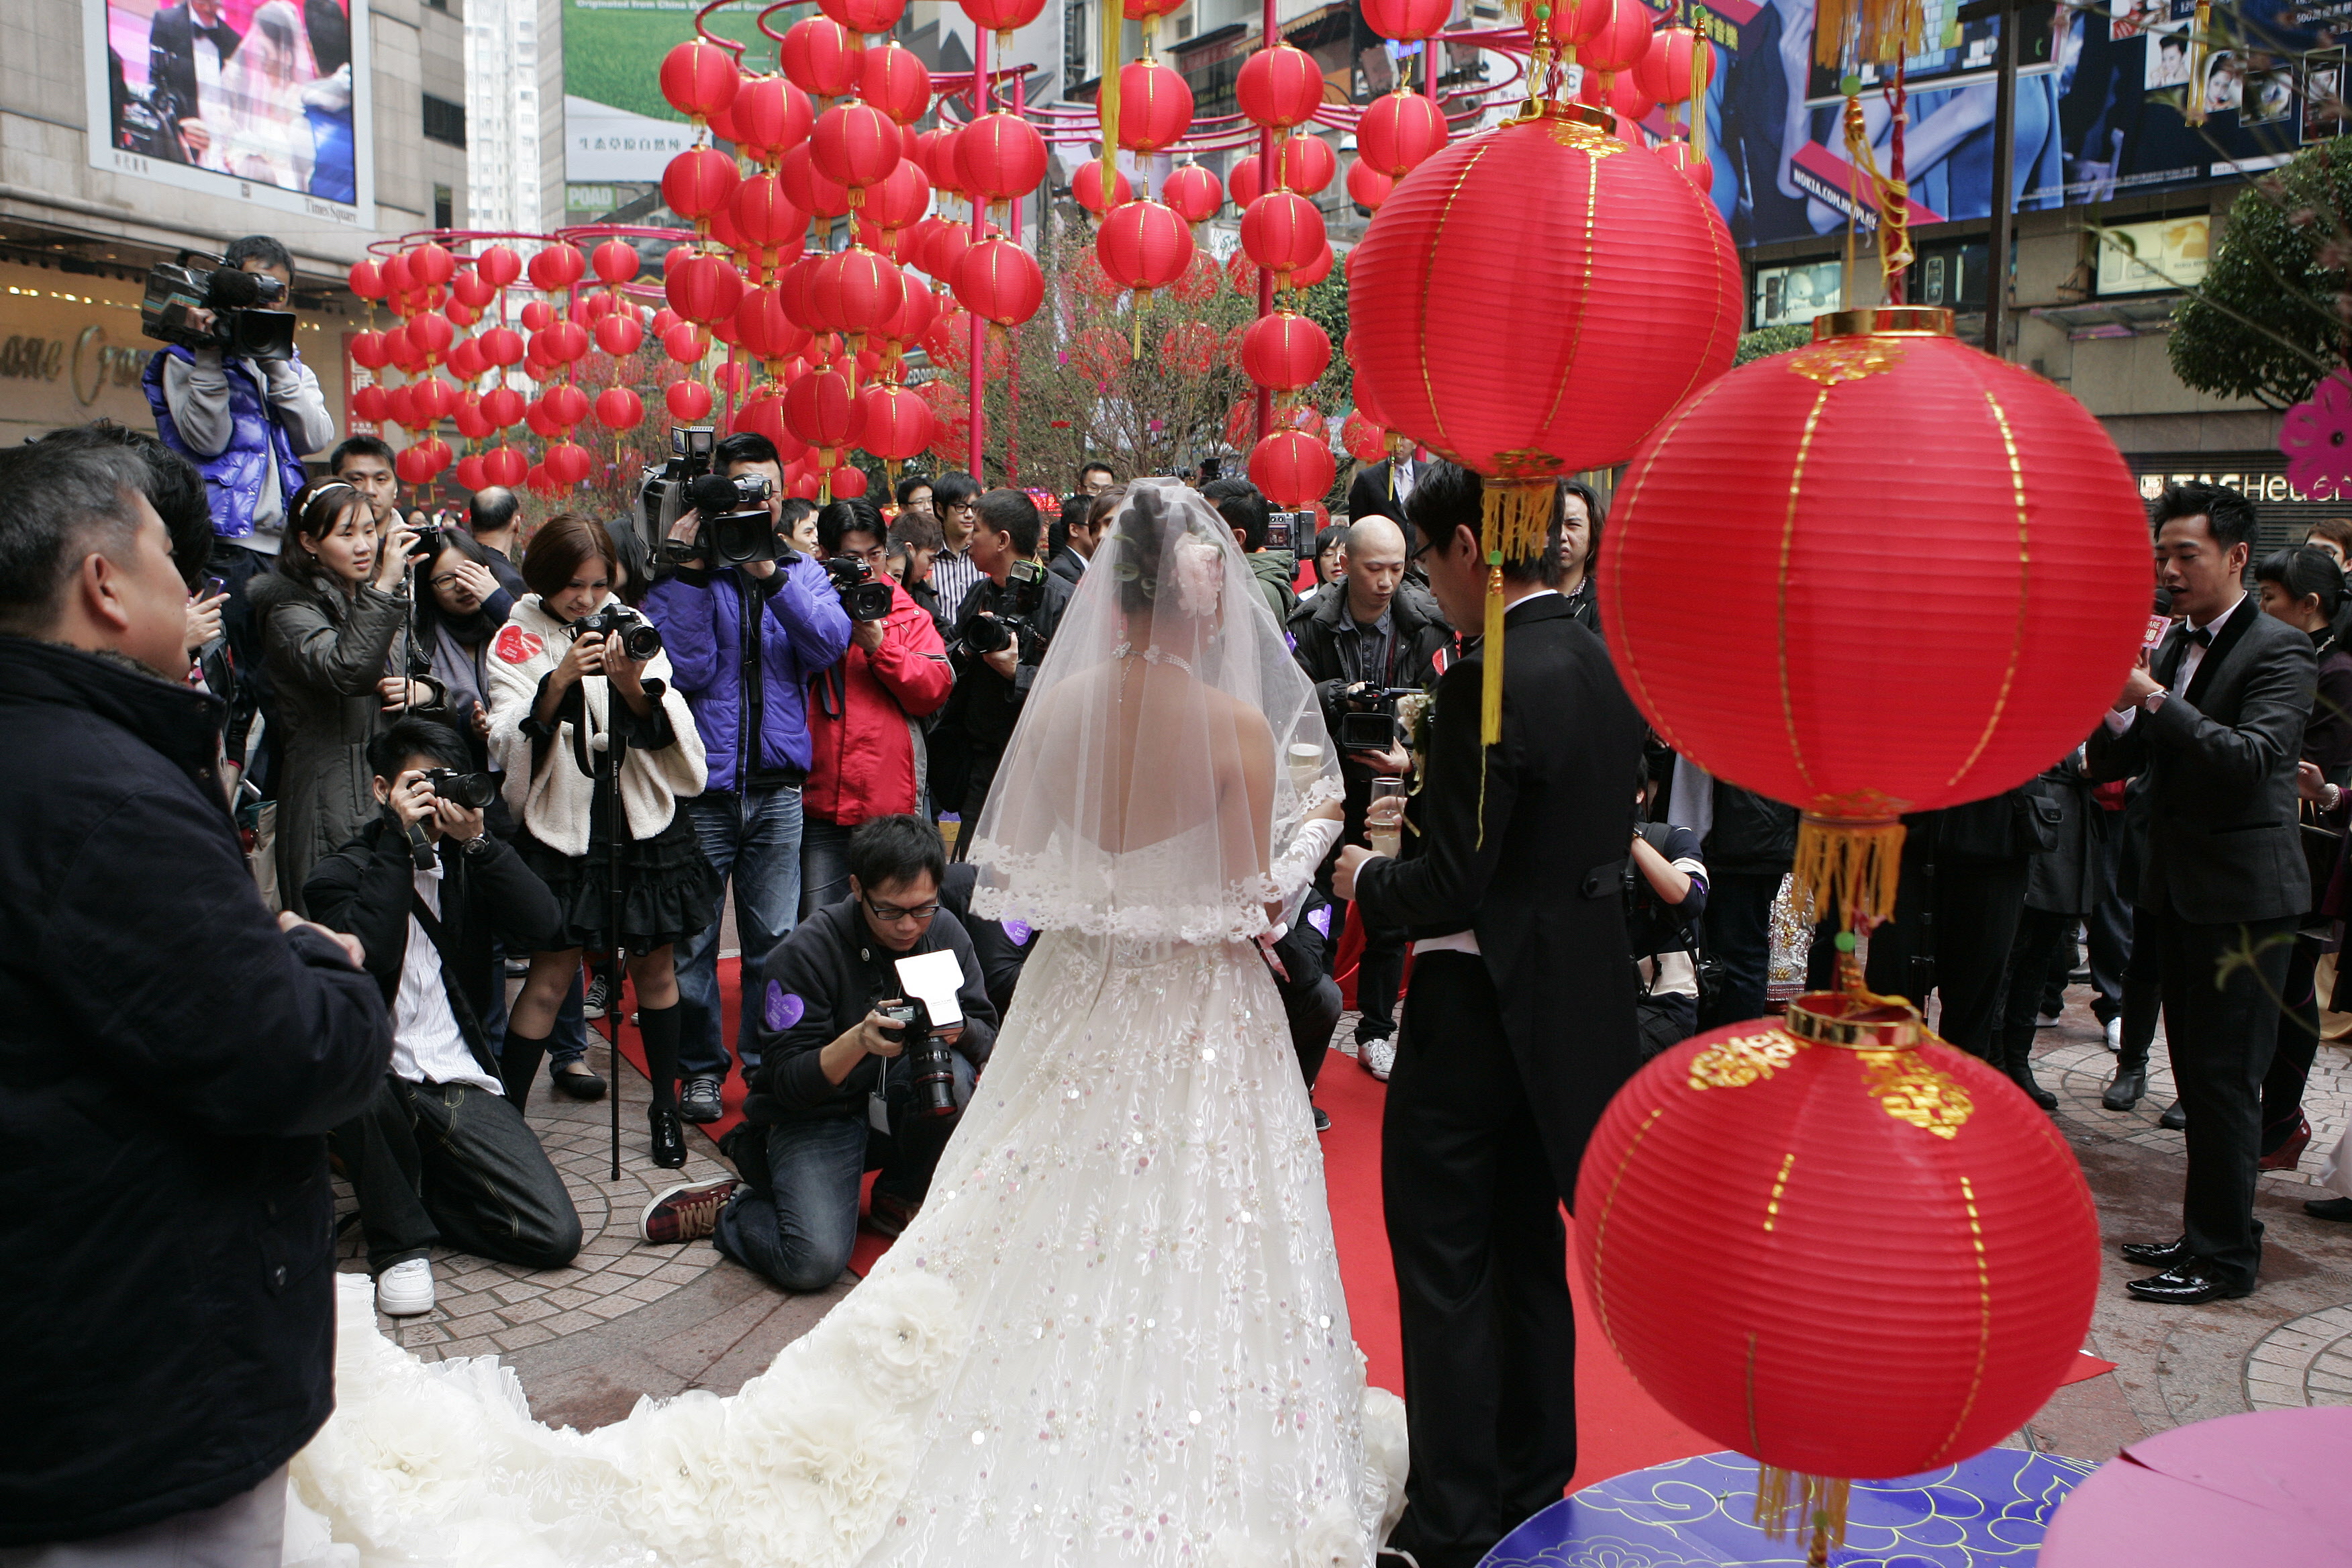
[744,642]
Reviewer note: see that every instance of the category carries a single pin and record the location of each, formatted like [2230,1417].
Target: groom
[1518,1029]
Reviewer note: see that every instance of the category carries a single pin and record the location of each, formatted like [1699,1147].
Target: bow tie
[2201,635]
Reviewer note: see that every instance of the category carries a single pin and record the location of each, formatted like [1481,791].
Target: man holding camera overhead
[744,636]
[440,1155]
[1001,634]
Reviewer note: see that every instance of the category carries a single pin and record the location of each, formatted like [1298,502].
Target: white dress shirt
[2191,658]
[428,1046]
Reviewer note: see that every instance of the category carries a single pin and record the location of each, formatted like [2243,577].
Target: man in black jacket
[1372,633]
[991,688]
[442,1154]
[2215,720]
[835,1095]
[174,1311]
[1519,1026]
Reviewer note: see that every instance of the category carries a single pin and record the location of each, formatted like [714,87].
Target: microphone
[712,495]
[233,288]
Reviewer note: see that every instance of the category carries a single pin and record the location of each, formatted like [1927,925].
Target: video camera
[472,791]
[733,528]
[242,325]
[638,637]
[661,492]
[863,598]
[1285,529]
[928,1058]
[992,631]
[1370,724]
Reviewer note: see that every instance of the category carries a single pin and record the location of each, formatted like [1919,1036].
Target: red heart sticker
[517,645]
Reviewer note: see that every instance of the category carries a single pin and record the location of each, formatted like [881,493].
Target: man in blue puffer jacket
[744,642]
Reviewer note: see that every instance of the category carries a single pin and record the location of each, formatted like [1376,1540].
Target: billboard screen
[259,100]
[618,130]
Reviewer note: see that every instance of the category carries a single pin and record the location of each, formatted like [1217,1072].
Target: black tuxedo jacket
[2222,842]
[172,56]
[1067,564]
[1367,494]
[1541,885]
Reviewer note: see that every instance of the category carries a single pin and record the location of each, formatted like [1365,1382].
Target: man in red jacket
[866,713]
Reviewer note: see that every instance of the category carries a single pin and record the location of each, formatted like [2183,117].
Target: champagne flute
[1384,821]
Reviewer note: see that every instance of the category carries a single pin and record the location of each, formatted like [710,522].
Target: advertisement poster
[2103,96]
[260,101]
[618,131]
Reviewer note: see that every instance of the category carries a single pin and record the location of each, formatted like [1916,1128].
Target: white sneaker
[2116,1035]
[1377,1055]
[405,1290]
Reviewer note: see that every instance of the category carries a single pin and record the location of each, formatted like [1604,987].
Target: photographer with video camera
[854,1075]
[748,621]
[1362,641]
[866,713]
[580,684]
[441,1155]
[1001,635]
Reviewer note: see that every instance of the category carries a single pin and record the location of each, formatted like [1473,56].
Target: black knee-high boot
[658,1027]
[519,1060]
[2016,1045]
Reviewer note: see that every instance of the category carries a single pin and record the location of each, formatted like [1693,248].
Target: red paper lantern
[430,335]
[618,408]
[370,404]
[1308,165]
[1284,351]
[944,251]
[1626,296]
[472,290]
[1280,87]
[467,415]
[1314,271]
[856,291]
[1292,468]
[563,343]
[504,465]
[703,289]
[1244,182]
[1664,72]
[1282,231]
[502,407]
[1367,186]
[1000,157]
[431,266]
[396,276]
[1144,246]
[764,217]
[502,346]
[897,424]
[459,314]
[848,483]
[1086,187]
[1399,132]
[700,78]
[1155,107]
[564,403]
[855,143]
[1845,1259]
[498,266]
[367,281]
[566,463]
[408,465]
[822,57]
[919,309]
[1194,192]
[821,409]
[2006,481]
[770,117]
[899,202]
[400,407]
[1003,15]
[809,189]
[999,281]
[895,81]
[1623,97]
[1408,21]
[619,335]
[688,401]
[466,360]
[938,159]
[432,399]
[864,15]
[370,351]
[763,329]
[538,482]
[472,474]
[1619,40]
[698,182]
[1365,441]
[615,261]
[538,316]
[557,268]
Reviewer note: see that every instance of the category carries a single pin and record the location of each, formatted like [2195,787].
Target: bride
[1115,1332]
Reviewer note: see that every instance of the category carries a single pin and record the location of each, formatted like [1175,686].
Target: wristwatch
[479,844]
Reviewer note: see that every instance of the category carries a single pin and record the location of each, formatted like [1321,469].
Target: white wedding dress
[1115,1334]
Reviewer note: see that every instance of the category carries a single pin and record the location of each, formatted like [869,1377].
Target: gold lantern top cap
[1856,1020]
[1570,114]
[1885,320]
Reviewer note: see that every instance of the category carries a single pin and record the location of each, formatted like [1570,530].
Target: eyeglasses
[891,914]
[446,580]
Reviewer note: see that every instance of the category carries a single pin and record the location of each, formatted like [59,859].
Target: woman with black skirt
[559,700]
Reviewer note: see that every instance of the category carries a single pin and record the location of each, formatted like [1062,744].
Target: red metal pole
[1012,350]
[979,383]
[1267,173]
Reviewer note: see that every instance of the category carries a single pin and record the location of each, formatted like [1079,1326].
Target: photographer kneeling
[841,1089]
[441,1155]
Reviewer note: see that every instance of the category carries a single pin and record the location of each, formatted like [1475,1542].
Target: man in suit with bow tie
[2215,721]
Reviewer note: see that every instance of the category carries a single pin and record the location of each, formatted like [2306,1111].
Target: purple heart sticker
[782,1009]
[1321,920]
[1018,932]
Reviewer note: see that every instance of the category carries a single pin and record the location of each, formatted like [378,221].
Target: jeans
[799,1228]
[754,836]
[453,1165]
[1739,927]
[824,864]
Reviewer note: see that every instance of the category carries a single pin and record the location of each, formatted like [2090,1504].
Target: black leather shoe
[2023,1078]
[2157,1254]
[1322,1118]
[668,1137]
[577,1079]
[2337,1209]
[700,1101]
[2186,1284]
[2176,1116]
[2124,1092]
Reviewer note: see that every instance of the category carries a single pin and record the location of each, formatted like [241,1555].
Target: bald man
[491,518]
[1367,636]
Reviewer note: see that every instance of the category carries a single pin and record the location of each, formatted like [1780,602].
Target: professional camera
[862,597]
[472,791]
[928,1058]
[733,527]
[661,493]
[638,637]
[1023,594]
[430,540]
[1285,529]
[241,325]
[1370,724]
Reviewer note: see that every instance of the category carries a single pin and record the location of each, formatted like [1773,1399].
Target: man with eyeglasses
[834,1097]
[955,498]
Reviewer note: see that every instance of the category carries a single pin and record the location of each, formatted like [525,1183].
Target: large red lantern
[367,282]
[771,117]
[615,261]
[899,202]
[703,289]
[371,403]
[618,408]
[822,57]
[370,351]
[1837,1245]
[1280,87]
[1408,21]
[854,144]
[856,291]
[566,463]
[1194,192]
[1308,165]
[864,15]
[764,330]
[1292,468]
[472,474]
[698,182]
[808,188]
[1678,64]
[430,335]
[1282,232]
[897,424]
[764,217]
[821,409]
[1284,351]
[1367,186]
[1155,107]
[503,465]
[557,268]
[688,401]
[1003,15]
[1620,39]
[1086,187]
[2005,481]
[498,266]
[620,335]
[895,81]
[565,404]
[700,78]
[502,407]
[502,346]
[1398,132]
[1144,246]
[1365,441]
[1000,157]
[998,281]
[563,342]
[944,251]
[431,265]
[472,290]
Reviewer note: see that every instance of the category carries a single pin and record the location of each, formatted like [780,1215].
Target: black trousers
[1739,934]
[1481,1256]
[1310,998]
[1965,918]
[2298,1043]
[2041,933]
[452,1165]
[2222,1037]
[2142,995]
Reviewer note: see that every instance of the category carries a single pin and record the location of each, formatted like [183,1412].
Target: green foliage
[2265,322]
[1765,342]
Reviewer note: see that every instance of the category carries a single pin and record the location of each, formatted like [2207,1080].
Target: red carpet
[1618,1427]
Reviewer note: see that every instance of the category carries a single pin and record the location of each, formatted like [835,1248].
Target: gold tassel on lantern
[1789,1502]
[1516,525]
[1865,31]
[1846,868]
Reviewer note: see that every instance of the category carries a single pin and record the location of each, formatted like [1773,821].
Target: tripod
[608,773]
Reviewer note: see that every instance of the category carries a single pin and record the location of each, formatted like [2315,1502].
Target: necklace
[1150,655]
